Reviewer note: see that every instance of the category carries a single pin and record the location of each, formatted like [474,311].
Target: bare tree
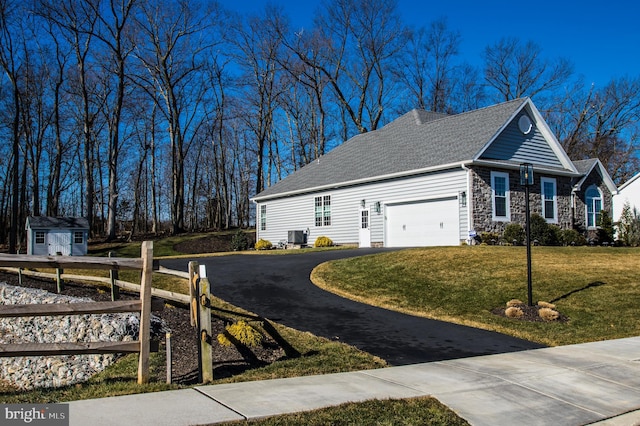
[114,31]
[354,45]
[76,20]
[257,47]
[10,62]
[601,123]
[173,55]
[514,69]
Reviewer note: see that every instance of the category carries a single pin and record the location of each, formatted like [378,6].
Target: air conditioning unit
[297,237]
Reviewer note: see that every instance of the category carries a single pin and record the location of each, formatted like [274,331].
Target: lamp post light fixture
[526,180]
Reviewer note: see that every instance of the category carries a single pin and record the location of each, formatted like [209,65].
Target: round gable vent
[524,124]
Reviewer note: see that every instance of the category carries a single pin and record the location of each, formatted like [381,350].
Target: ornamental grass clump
[542,304]
[514,302]
[241,332]
[514,312]
[548,314]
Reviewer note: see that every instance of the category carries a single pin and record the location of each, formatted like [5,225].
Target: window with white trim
[323,210]
[39,237]
[593,200]
[263,217]
[549,199]
[78,237]
[500,197]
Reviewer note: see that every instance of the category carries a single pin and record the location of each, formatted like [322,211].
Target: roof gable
[586,167]
[534,144]
[48,222]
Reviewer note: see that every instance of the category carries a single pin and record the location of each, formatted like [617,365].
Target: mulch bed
[227,361]
[530,313]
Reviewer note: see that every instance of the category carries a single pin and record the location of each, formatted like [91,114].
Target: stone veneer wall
[482,203]
[580,211]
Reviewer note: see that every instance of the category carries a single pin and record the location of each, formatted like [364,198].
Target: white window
[263,217]
[39,237]
[549,200]
[593,200]
[78,237]
[500,196]
[323,210]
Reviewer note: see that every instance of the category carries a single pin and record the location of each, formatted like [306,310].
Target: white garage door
[424,223]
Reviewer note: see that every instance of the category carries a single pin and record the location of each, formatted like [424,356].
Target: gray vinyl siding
[297,213]
[513,145]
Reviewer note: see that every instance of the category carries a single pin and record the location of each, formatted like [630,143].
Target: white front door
[59,243]
[365,228]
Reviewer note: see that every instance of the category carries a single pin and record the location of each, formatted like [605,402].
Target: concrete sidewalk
[592,383]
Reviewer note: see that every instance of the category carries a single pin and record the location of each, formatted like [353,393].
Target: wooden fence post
[204,326]
[145,313]
[59,281]
[113,276]
[193,292]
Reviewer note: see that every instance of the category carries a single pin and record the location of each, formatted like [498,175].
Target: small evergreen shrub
[514,312]
[239,241]
[548,314]
[323,242]
[514,232]
[571,237]
[263,244]
[490,238]
[241,332]
[629,226]
[605,230]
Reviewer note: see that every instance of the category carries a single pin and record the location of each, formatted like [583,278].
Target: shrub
[241,332]
[514,302]
[263,244]
[239,241]
[571,237]
[513,312]
[323,242]
[629,226]
[514,232]
[491,238]
[605,230]
[545,234]
[548,314]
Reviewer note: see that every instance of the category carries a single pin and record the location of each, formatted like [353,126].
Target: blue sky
[601,38]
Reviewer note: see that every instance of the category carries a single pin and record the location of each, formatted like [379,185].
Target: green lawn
[596,287]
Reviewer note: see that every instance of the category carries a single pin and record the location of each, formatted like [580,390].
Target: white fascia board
[536,167]
[361,181]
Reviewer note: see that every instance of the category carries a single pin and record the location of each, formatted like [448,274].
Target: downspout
[469,203]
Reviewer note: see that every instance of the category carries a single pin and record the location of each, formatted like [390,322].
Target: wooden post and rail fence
[142,345]
[198,299]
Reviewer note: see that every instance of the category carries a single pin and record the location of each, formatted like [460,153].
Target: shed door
[423,223]
[59,242]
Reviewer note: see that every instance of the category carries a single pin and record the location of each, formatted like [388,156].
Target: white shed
[65,236]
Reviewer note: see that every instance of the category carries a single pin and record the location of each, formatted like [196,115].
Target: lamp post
[526,180]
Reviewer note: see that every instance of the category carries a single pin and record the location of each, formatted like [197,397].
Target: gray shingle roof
[58,222]
[415,141]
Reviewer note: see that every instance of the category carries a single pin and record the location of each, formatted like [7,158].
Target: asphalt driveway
[278,288]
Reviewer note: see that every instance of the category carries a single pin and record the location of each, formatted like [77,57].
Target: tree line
[168,115]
